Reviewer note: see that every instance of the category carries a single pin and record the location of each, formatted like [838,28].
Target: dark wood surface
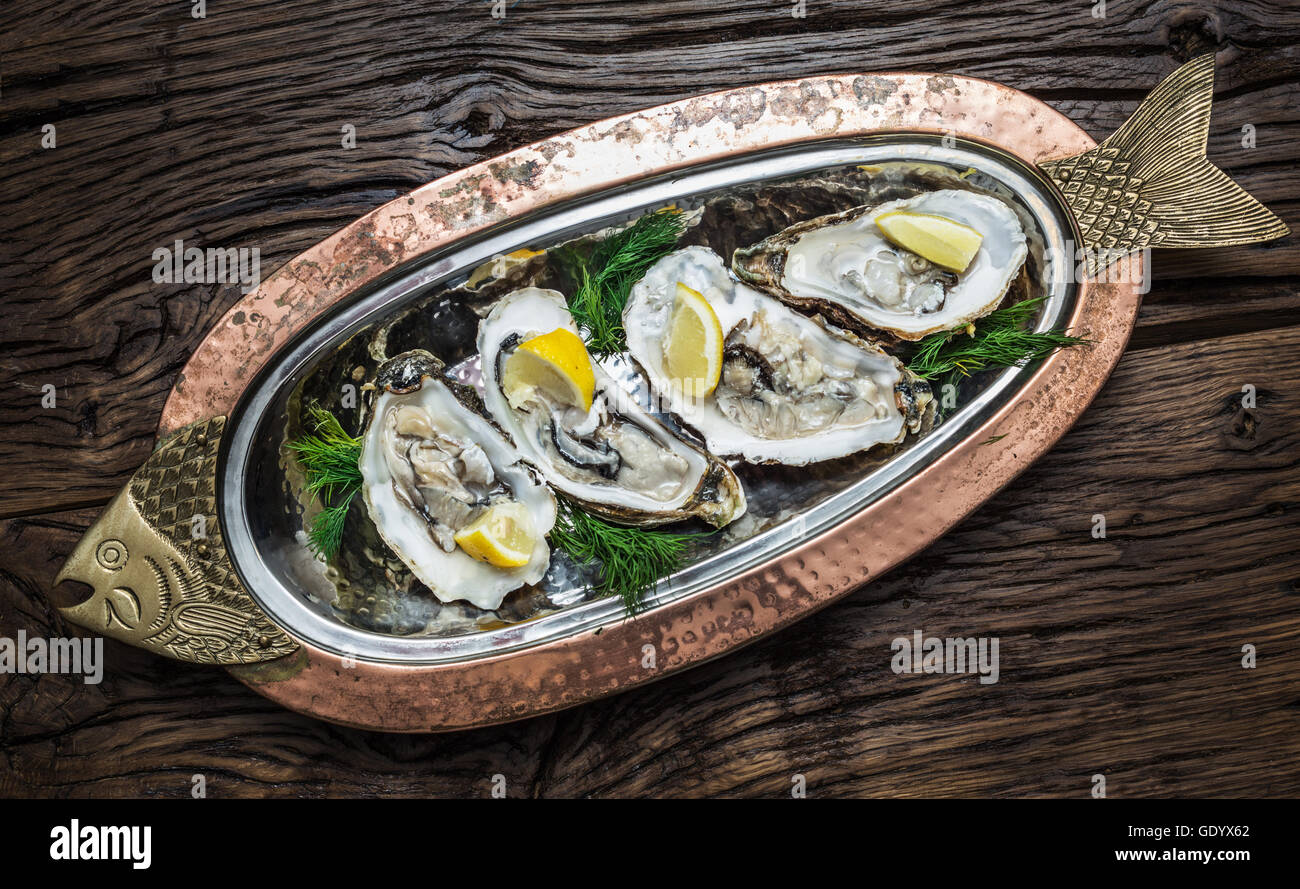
[1120,656]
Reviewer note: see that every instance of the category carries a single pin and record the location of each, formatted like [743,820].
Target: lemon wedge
[693,350]
[502,536]
[555,362]
[943,241]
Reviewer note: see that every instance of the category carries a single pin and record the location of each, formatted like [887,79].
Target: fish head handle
[1149,184]
[157,565]
[123,604]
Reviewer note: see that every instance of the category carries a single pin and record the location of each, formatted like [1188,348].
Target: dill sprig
[326,531]
[329,458]
[1000,339]
[632,560]
[605,277]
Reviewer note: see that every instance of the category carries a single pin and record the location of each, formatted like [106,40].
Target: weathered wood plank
[1119,656]
[1201,309]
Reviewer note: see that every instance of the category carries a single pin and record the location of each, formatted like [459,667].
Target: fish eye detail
[111,554]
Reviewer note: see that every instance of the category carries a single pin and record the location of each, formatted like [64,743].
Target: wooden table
[1120,656]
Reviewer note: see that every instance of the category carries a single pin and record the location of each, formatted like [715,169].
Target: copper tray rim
[765,598]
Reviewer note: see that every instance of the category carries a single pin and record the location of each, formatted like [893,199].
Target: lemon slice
[497,266]
[943,241]
[555,362]
[693,351]
[502,536]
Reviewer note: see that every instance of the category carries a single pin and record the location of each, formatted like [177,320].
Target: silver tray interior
[285,580]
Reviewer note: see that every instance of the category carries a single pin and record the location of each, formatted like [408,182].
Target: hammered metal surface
[758,601]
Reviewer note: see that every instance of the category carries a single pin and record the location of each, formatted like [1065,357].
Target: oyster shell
[793,390]
[842,265]
[431,464]
[615,459]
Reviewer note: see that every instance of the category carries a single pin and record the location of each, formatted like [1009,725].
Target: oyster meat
[844,266]
[430,465]
[614,458]
[793,389]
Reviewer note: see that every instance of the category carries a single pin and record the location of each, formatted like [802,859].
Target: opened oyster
[844,266]
[610,455]
[791,390]
[432,467]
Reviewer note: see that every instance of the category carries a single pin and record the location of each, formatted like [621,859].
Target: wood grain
[1120,656]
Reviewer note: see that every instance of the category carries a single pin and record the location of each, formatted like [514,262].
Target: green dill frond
[326,531]
[604,278]
[632,560]
[1000,339]
[329,458]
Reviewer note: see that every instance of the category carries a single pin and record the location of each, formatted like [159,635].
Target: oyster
[431,464]
[793,389]
[615,458]
[842,265]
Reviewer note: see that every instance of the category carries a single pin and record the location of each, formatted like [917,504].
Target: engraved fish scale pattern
[212,619]
[176,485]
[1107,200]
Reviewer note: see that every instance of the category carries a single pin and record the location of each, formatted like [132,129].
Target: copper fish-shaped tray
[201,556]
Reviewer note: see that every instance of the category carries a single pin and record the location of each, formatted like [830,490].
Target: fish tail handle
[1150,184]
